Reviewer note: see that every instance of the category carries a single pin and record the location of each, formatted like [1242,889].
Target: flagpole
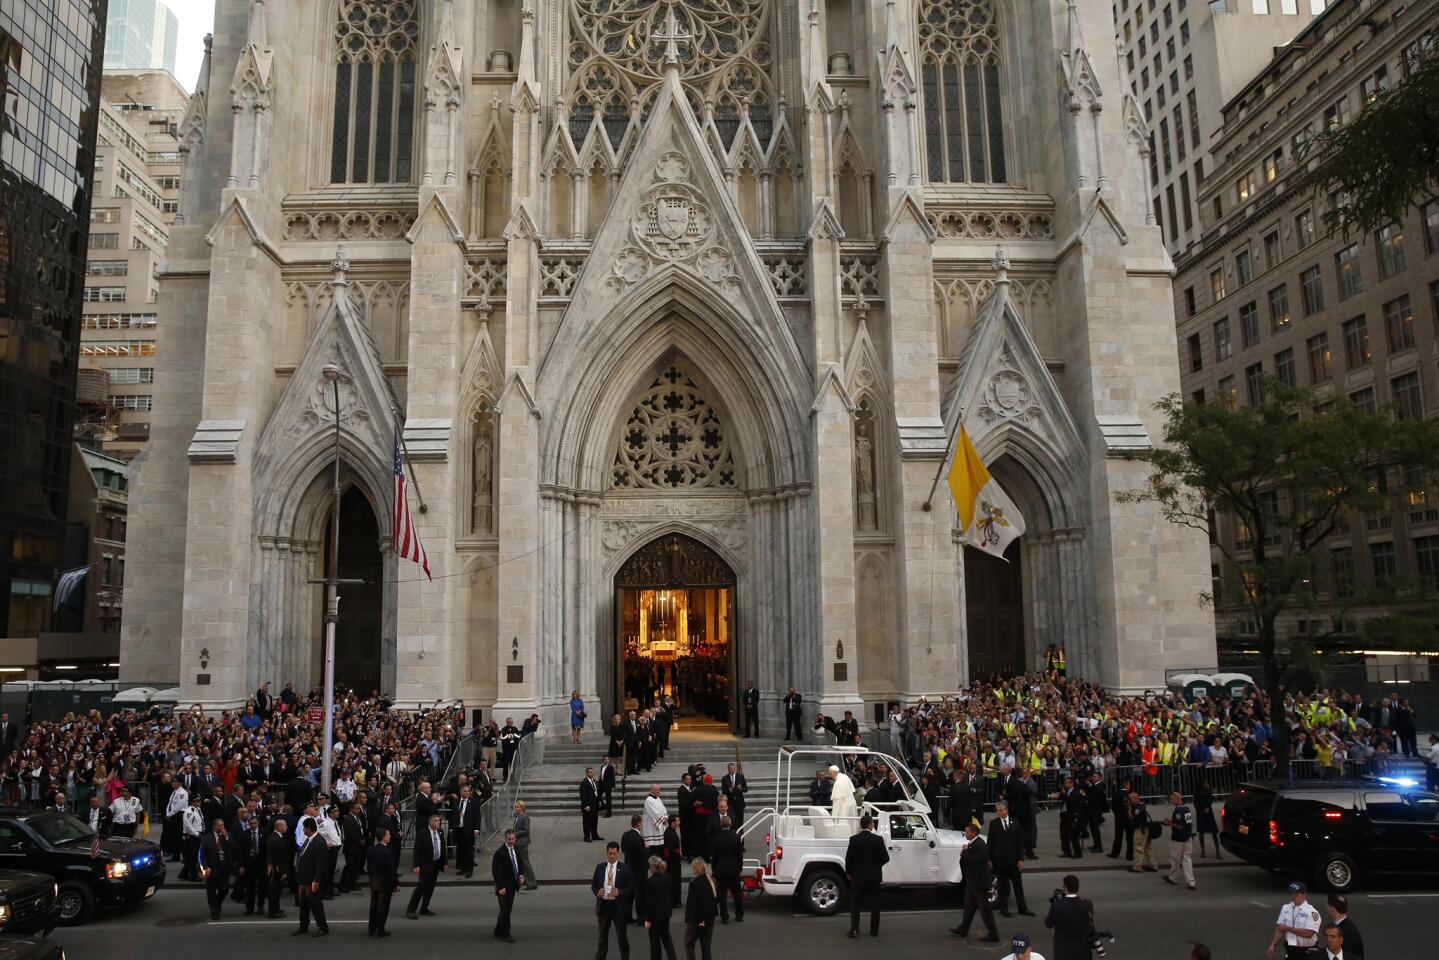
[948,452]
[400,432]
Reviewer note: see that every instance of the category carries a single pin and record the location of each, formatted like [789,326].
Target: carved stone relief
[1008,395]
[348,224]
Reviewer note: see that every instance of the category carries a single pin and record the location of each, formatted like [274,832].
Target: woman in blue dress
[577,716]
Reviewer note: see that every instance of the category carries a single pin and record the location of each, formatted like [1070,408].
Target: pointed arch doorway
[359,632]
[675,628]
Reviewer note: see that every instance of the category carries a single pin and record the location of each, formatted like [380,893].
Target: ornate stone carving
[991,224]
[484,281]
[789,275]
[319,408]
[348,225]
[859,278]
[482,462]
[675,558]
[558,275]
[674,439]
[1008,395]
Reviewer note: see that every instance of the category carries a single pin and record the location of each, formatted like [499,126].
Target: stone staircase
[552,787]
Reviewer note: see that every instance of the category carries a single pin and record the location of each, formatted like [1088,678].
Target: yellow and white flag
[989,518]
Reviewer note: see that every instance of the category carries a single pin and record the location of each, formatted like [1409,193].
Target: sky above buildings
[197,18]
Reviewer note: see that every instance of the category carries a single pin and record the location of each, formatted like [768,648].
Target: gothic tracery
[960,56]
[374,51]
[674,439]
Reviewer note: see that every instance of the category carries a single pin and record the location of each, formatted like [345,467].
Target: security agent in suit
[217,859]
[613,888]
[974,864]
[636,854]
[590,806]
[1337,906]
[750,698]
[793,714]
[1006,856]
[352,841]
[607,786]
[382,864]
[277,866]
[657,910]
[505,871]
[726,849]
[250,887]
[429,863]
[734,786]
[464,821]
[1072,814]
[309,874]
[1069,920]
[864,862]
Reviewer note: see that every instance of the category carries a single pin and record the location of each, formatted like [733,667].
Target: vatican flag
[989,518]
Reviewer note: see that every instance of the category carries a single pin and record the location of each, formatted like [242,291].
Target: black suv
[89,872]
[1335,830]
[27,902]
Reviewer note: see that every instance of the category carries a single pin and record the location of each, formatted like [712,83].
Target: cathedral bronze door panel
[994,612]
[360,628]
[674,628]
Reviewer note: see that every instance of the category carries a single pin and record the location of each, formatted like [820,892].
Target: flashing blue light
[1400,781]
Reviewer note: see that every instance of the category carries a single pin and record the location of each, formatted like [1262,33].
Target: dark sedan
[89,871]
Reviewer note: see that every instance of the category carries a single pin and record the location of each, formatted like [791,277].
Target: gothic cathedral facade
[668,311]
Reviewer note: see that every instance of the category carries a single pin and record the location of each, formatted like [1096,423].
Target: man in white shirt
[1432,759]
[330,833]
[126,810]
[1297,928]
[192,828]
[656,821]
[1022,950]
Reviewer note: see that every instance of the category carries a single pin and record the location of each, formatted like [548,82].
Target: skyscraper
[140,35]
[50,53]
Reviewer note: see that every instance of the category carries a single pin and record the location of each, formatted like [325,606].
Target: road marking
[1398,896]
[897,913]
[267,923]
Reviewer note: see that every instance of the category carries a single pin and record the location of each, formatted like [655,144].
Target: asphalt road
[1232,912]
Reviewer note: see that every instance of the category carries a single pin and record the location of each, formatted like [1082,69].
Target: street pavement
[1232,912]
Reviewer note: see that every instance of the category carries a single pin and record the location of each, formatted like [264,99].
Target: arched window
[959,56]
[374,91]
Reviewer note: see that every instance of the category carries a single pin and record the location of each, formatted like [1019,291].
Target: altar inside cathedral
[676,642]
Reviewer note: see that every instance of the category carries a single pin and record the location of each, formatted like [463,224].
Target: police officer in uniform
[1297,928]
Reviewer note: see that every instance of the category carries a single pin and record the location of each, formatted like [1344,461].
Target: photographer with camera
[1069,919]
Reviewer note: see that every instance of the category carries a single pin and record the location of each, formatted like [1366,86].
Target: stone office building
[675,305]
[1269,293]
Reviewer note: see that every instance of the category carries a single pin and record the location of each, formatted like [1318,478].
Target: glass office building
[51,52]
[140,35]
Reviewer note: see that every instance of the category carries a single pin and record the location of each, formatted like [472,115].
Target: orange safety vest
[1150,767]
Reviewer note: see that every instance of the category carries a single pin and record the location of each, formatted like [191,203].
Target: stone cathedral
[671,309]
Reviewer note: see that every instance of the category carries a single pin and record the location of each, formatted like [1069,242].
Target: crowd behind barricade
[1046,729]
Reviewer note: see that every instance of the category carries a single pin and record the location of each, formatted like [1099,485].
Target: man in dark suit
[607,785]
[631,733]
[250,888]
[657,910]
[505,871]
[726,850]
[217,858]
[1337,906]
[632,847]
[750,698]
[963,798]
[1072,811]
[277,866]
[1070,923]
[9,735]
[429,863]
[974,864]
[464,821]
[309,873]
[352,841]
[425,805]
[98,816]
[1096,805]
[590,806]
[793,713]
[613,888]
[1006,855]
[298,792]
[734,786]
[864,862]
[382,863]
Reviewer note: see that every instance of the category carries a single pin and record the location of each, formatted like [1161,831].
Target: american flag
[407,538]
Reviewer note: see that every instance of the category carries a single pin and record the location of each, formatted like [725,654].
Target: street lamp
[332,583]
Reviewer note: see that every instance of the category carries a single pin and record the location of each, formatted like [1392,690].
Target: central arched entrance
[675,628]
[359,632]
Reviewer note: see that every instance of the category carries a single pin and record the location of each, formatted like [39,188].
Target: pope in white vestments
[841,798]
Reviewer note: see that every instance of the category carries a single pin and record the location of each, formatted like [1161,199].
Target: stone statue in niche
[482,482]
[865,512]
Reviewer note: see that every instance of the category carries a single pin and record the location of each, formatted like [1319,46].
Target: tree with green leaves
[1292,471]
[1387,159]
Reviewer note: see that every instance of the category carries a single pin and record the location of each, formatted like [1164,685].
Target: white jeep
[804,845]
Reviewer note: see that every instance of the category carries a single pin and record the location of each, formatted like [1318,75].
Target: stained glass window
[374,122]
[959,72]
